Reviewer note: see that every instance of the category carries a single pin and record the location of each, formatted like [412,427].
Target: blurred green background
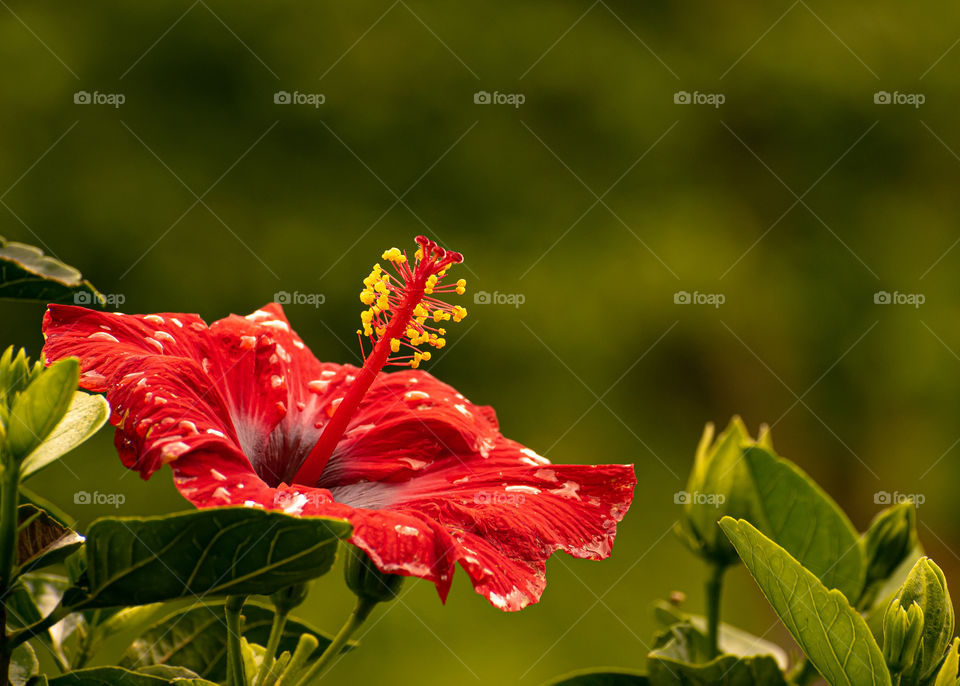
[598,199]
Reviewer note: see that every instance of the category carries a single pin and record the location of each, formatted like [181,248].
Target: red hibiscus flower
[246,415]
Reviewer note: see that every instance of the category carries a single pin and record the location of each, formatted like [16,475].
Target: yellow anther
[426,356]
[440,342]
[461,287]
[383,302]
[411,332]
[437,315]
[459,313]
[367,297]
[395,345]
[420,311]
[394,255]
[442,331]
[419,254]
[380,330]
[366,316]
[415,362]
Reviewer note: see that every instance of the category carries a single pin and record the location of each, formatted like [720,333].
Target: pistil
[401,317]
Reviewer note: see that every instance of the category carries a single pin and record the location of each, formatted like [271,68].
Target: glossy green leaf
[196,638]
[829,631]
[731,640]
[42,540]
[117,676]
[86,414]
[682,658]
[601,676]
[801,518]
[39,408]
[232,550]
[27,274]
[23,664]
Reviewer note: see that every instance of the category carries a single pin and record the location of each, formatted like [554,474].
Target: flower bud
[902,630]
[926,587]
[949,674]
[368,582]
[892,536]
[286,599]
[719,486]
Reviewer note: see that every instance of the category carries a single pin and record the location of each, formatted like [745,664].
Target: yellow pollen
[395,345]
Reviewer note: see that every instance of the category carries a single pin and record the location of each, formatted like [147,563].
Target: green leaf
[800,517]
[42,540]
[35,499]
[829,631]
[196,638]
[33,597]
[23,664]
[39,408]
[117,676]
[86,414]
[682,659]
[601,676]
[231,550]
[732,640]
[27,274]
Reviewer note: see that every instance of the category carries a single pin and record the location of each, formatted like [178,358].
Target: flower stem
[360,613]
[714,586]
[9,497]
[273,643]
[235,672]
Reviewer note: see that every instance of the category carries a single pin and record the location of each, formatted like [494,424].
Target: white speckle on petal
[539,459]
[173,450]
[177,322]
[188,426]
[215,432]
[217,475]
[318,386]
[522,489]
[102,336]
[155,343]
[248,342]
[406,530]
[276,381]
[282,353]
[414,464]
[296,507]
[154,319]
[462,409]
[164,336]
[416,395]
[221,492]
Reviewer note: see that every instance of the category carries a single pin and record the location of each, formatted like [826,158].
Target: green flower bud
[949,674]
[719,486]
[288,598]
[902,630]
[368,582]
[892,536]
[927,588]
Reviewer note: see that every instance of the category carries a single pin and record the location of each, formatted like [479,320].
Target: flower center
[401,317]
